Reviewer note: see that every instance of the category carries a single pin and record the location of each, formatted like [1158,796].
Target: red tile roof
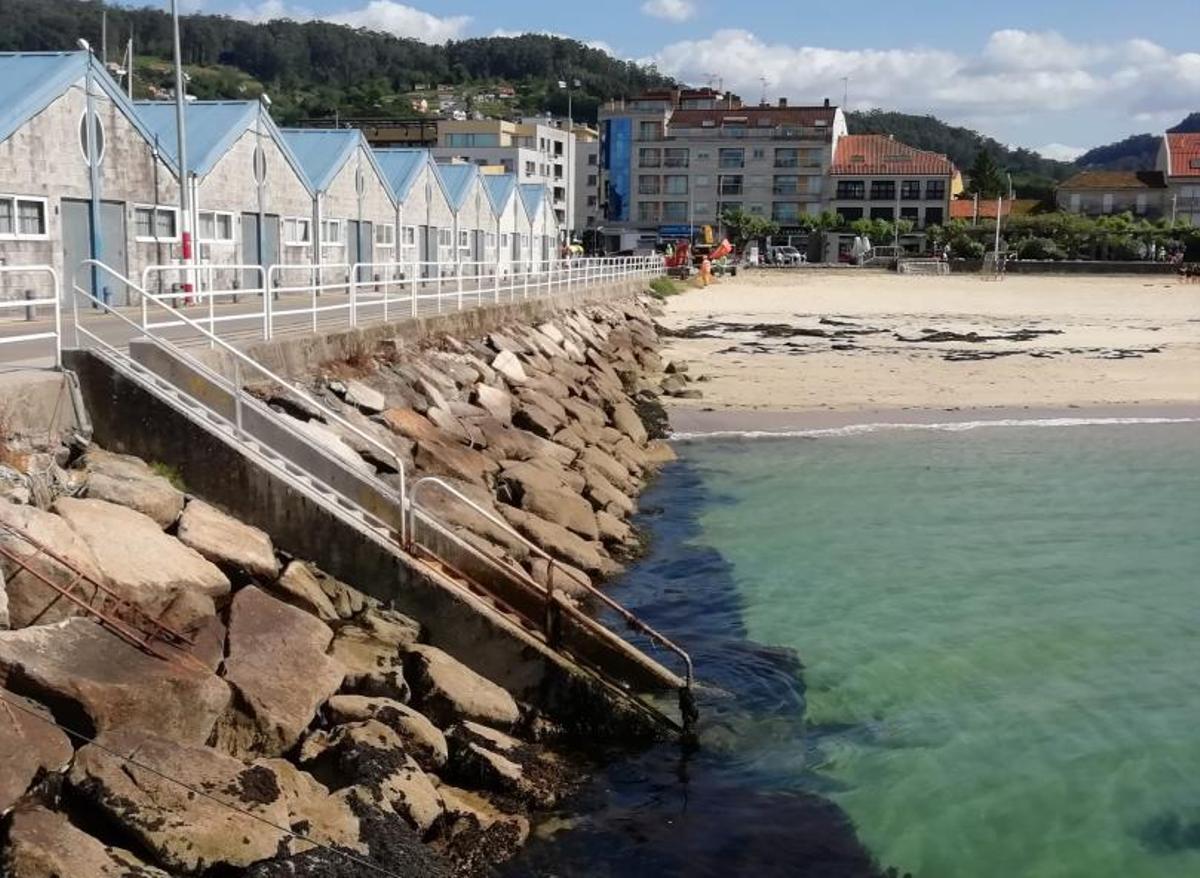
[754,117]
[1109,180]
[1183,152]
[879,154]
[964,208]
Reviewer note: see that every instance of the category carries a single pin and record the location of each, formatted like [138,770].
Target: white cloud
[1019,78]
[671,10]
[379,15]
[1060,151]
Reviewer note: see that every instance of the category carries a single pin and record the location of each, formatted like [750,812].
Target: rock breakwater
[312,729]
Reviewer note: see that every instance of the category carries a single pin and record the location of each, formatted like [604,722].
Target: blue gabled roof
[457,178]
[501,187]
[322,153]
[533,195]
[213,127]
[401,167]
[31,81]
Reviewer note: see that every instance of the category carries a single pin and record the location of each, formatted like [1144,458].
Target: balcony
[671,162]
[731,189]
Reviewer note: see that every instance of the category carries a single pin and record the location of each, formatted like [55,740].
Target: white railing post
[415,286]
[459,273]
[354,294]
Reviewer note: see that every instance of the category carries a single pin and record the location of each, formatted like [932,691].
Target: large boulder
[185,832]
[446,690]
[95,679]
[128,481]
[422,739]
[625,418]
[501,442]
[563,506]
[300,587]
[604,494]
[45,844]
[362,397]
[476,836]
[440,458]
[328,439]
[507,364]
[31,601]
[370,649]
[607,466]
[556,540]
[532,417]
[369,759]
[278,666]
[327,819]
[30,745]
[583,413]
[226,541]
[142,564]
[488,759]
[498,403]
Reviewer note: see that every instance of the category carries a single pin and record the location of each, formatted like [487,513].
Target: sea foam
[941,427]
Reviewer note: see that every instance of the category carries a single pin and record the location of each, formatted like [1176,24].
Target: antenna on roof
[845,92]
[765,82]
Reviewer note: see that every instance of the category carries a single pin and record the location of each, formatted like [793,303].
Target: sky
[1058,76]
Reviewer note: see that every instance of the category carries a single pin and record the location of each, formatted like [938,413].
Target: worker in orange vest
[705,272]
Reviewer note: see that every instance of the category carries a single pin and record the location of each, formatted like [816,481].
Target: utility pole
[129,67]
[999,214]
[185,216]
[104,38]
[1174,207]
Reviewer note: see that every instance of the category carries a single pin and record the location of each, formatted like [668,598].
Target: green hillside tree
[986,177]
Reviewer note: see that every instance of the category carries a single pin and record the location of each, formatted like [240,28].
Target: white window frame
[445,244]
[216,227]
[16,234]
[464,242]
[290,225]
[390,237]
[155,238]
[337,239]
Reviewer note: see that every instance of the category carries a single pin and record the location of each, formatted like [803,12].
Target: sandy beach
[830,348]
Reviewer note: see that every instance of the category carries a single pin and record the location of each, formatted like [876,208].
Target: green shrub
[1040,248]
[170,473]
[963,247]
[661,287]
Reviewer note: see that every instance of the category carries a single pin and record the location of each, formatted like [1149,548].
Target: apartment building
[536,150]
[1179,162]
[1100,193]
[874,176]
[685,157]
[586,194]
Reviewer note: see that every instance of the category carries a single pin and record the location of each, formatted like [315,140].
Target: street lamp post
[563,84]
[185,216]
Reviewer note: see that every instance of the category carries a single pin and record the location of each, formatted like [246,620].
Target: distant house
[1103,193]
[1179,163]
[967,208]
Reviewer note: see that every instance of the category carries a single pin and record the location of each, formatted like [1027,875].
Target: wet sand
[827,349]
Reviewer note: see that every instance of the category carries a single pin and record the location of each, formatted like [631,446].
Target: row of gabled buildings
[86,173]
[1170,191]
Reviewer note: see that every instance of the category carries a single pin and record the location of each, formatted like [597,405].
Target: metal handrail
[630,619]
[202,271]
[55,301]
[239,358]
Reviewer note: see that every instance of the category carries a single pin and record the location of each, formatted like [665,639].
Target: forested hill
[316,68]
[1136,153]
[1033,175]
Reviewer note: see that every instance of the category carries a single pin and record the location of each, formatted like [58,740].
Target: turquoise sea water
[981,647]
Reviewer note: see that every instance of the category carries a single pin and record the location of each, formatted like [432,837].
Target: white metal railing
[47,295]
[206,287]
[235,385]
[314,297]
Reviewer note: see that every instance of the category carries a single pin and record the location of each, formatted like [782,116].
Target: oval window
[260,165]
[98,146]
[360,181]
